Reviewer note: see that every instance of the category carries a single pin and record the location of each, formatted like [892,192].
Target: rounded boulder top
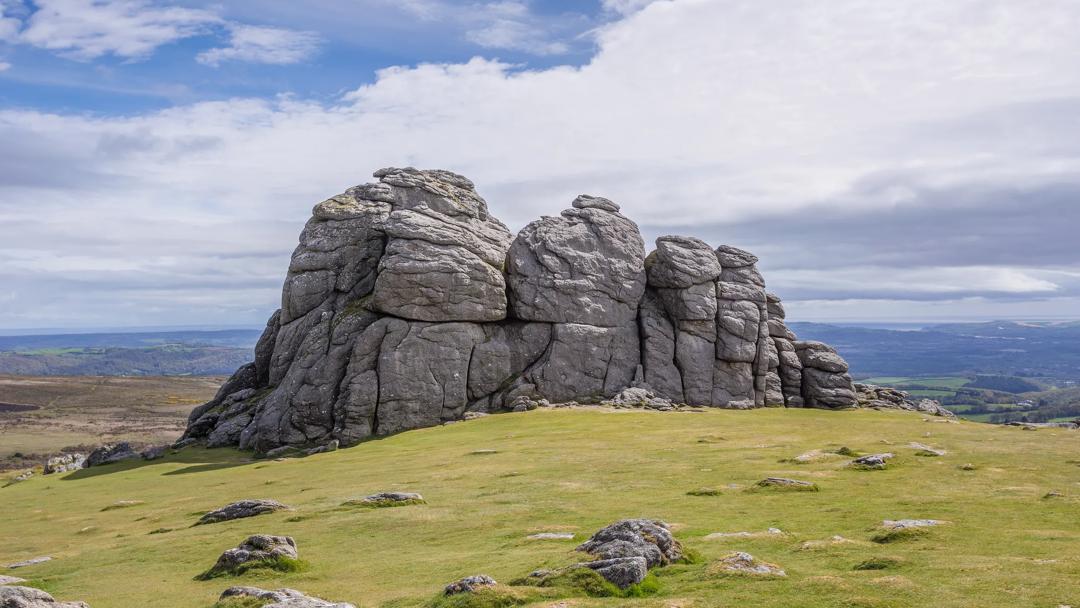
[586,201]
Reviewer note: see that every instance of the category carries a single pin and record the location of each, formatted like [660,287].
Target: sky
[913,161]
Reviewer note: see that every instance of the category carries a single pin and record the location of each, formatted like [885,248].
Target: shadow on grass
[200,460]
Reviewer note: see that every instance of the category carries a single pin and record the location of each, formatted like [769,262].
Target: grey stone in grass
[11,580]
[28,597]
[281,598]
[64,463]
[257,548]
[905,524]
[783,483]
[241,509]
[31,562]
[743,563]
[388,499]
[111,453]
[646,538]
[551,536]
[619,571]
[872,461]
[469,584]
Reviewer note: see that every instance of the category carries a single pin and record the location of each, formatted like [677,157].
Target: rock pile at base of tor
[407,304]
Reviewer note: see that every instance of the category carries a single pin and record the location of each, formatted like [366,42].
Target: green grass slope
[578,470]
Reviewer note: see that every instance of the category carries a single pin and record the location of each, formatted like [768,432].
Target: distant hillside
[1001,348]
[172,353]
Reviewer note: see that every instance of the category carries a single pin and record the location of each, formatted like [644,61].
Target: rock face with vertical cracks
[406,304]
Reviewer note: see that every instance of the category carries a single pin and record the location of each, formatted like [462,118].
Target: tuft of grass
[499,596]
[123,504]
[846,451]
[381,504]
[883,537]
[278,563]
[705,492]
[240,602]
[160,531]
[877,563]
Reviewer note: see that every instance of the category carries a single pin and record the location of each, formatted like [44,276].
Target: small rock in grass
[474,415]
[260,549]
[900,524]
[241,509]
[742,563]
[783,483]
[329,446]
[967,467]
[904,529]
[483,452]
[551,536]
[924,450]
[11,580]
[30,562]
[872,462]
[469,584]
[21,477]
[705,492]
[281,598]
[28,597]
[387,499]
[1053,494]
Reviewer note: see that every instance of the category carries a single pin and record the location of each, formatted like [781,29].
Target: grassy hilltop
[1007,544]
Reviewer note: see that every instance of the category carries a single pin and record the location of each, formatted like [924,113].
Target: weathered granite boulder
[281,598]
[28,597]
[111,453]
[826,383]
[406,305]
[241,509]
[645,538]
[256,550]
[885,398]
[64,463]
[586,266]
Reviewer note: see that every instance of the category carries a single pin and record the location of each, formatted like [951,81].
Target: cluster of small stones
[408,305]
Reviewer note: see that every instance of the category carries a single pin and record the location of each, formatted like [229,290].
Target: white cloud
[131,29]
[500,24]
[692,113]
[625,7]
[257,44]
[9,26]
[4,66]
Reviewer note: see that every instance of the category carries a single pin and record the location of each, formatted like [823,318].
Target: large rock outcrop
[407,304]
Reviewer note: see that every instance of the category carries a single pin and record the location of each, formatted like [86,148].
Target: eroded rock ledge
[407,305]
